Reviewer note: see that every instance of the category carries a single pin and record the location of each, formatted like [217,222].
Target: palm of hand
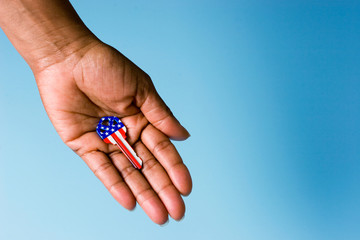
[79,91]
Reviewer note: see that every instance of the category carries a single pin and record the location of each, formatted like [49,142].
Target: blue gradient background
[269,92]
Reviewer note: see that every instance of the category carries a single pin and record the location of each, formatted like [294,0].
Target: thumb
[160,116]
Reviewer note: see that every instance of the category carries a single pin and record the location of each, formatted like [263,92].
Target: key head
[108,125]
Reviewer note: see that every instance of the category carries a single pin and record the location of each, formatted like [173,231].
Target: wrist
[44,32]
[66,44]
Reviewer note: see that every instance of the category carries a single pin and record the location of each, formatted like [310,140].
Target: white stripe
[111,139]
[126,144]
[124,128]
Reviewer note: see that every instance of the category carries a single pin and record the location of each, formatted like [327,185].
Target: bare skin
[80,80]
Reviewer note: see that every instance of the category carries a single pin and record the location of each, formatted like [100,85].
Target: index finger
[165,152]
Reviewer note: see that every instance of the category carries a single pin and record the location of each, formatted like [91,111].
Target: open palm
[99,82]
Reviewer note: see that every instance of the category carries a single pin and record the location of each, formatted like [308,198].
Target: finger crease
[88,153]
[150,164]
[111,188]
[161,120]
[160,146]
[145,195]
[163,188]
[102,168]
[127,171]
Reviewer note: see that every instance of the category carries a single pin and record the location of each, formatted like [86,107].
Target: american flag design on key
[113,131]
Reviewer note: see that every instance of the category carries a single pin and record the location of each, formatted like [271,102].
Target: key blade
[127,149]
[128,155]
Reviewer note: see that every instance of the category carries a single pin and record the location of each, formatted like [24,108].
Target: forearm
[44,31]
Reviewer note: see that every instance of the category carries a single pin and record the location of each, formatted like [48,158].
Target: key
[112,130]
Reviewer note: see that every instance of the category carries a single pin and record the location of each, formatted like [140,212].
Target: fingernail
[188,134]
[132,209]
[180,220]
[165,224]
[186,131]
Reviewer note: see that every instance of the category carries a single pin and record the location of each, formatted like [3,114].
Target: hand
[98,81]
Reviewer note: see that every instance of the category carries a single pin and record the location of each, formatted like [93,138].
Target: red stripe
[122,132]
[126,152]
